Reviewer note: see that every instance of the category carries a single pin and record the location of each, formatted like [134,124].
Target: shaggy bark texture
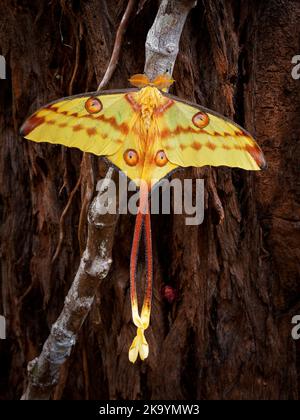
[227,335]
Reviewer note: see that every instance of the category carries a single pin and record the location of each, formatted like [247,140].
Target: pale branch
[162,44]
[43,371]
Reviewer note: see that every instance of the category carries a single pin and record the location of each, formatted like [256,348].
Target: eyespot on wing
[93,105]
[161,158]
[200,119]
[131,157]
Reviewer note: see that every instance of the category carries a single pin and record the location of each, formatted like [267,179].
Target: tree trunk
[227,335]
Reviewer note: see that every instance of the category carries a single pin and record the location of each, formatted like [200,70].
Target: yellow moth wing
[217,142]
[69,122]
[112,130]
[133,143]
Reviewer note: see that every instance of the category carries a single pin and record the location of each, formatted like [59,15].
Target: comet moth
[146,133]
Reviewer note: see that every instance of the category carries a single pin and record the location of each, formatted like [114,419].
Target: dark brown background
[228,334]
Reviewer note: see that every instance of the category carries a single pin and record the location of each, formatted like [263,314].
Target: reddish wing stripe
[257,155]
[36,121]
[149,258]
[253,150]
[31,124]
[196,145]
[136,240]
[134,253]
[211,146]
[134,105]
[163,108]
[189,130]
[92,131]
[77,127]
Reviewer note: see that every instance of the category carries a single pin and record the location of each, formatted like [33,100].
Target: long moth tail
[139,345]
